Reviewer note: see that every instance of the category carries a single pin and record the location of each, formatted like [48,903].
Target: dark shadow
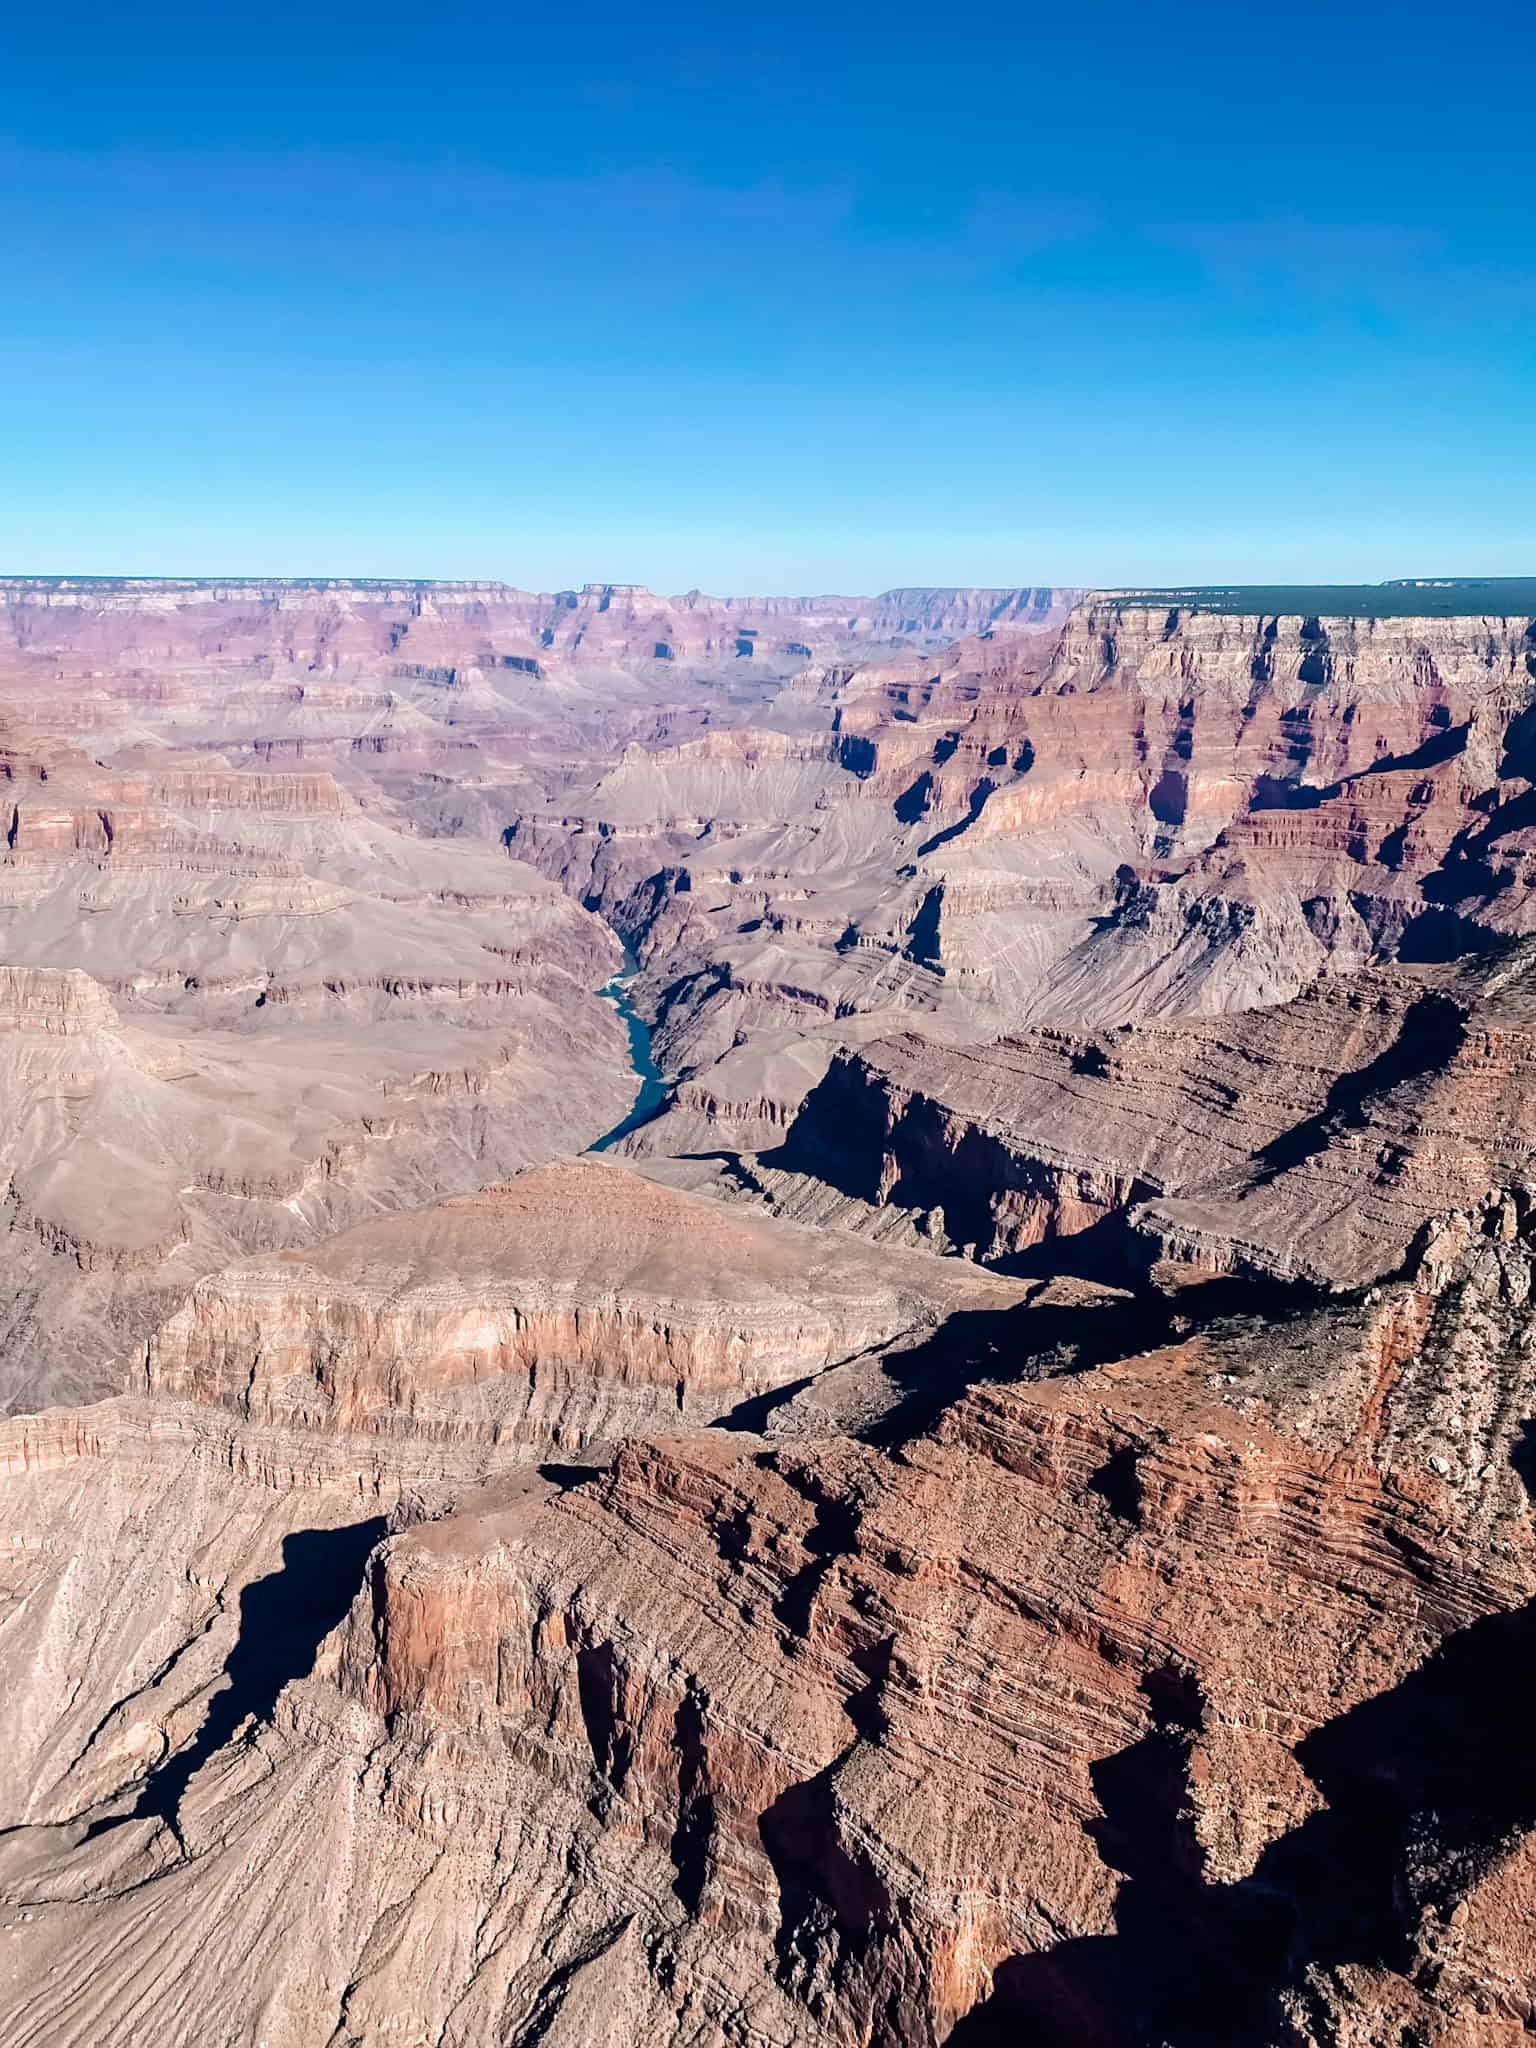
[1281,793]
[923,932]
[1007,1344]
[914,800]
[1434,938]
[1519,757]
[599,1679]
[1443,745]
[753,1413]
[1431,1033]
[1523,1458]
[977,805]
[692,1843]
[283,1620]
[567,1476]
[838,1134]
[1041,1340]
[1116,1483]
[831,1535]
[826,1895]
[1422,1785]
[1168,797]
[1468,869]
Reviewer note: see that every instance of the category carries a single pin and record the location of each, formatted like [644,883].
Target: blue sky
[803,299]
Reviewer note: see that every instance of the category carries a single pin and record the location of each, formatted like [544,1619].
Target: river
[653,1089]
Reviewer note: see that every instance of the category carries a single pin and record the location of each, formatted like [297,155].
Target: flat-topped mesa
[573,1303]
[138,590]
[1244,656]
[304,794]
[53,1003]
[124,817]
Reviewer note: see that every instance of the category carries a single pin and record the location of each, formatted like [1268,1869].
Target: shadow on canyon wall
[283,1620]
[1422,1783]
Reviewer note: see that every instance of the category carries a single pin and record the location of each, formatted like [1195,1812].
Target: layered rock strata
[1156,1700]
[237,1011]
[597,1605]
[1322,1140]
[565,1308]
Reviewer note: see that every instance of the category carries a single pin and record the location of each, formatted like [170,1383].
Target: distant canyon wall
[330,621]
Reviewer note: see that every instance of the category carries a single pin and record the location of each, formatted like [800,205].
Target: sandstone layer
[1147,816]
[1163,1698]
[1003,1514]
[237,1011]
[1320,1140]
[566,1308]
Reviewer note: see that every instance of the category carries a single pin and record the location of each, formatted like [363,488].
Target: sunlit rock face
[564,1308]
[1002,1514]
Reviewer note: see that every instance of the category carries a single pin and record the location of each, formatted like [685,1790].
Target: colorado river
[652,1087]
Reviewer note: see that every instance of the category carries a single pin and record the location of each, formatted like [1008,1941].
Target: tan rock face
[236,1011]
[42,1003]
[570,1305]
[994,1727]
[674,1599]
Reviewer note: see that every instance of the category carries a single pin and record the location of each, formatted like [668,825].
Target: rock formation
[238,1011]
[573,1305]
[1003,1514]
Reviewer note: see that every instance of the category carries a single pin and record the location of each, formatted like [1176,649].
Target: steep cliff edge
[1322,1140]
[1152,814]
[567,1308]
[1170,1693]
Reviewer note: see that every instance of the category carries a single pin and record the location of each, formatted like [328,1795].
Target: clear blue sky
[810,297]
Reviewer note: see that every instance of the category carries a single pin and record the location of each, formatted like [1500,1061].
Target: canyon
[995,1506]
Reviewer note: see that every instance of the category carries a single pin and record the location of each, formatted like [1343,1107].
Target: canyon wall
[1164,1691]
[1002,1514]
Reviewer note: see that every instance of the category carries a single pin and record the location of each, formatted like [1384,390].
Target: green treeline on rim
[1466,597]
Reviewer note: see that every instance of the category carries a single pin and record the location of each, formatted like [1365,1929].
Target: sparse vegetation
[1426,598]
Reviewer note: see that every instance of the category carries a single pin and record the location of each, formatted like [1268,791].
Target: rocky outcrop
[546,1600]
[236,1012]
[1156,813]
[52,1003]
[1165,1696]
[139,1538]
[572,1305]
[1321,1140]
